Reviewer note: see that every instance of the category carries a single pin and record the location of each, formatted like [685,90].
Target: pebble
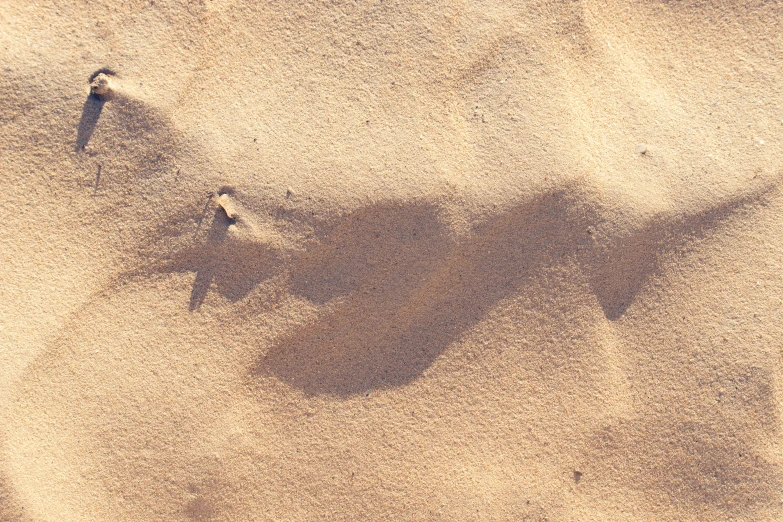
[101,86]
[641,148]
[227,203]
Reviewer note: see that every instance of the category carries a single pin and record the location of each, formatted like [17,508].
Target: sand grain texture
[391,261]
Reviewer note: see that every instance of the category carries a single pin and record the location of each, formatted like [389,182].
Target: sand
[388,260]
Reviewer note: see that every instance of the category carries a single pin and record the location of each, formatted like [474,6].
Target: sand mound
[379,261]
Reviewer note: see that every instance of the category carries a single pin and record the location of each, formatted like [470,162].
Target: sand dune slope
[391,261]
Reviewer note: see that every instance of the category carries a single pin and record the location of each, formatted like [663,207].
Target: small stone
[641,148]
[577,476]
[101,86]
[228,206]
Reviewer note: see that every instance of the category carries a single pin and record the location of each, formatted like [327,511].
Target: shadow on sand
[399,292]
[91,112]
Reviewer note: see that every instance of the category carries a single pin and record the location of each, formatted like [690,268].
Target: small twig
[97,180]
[210,195]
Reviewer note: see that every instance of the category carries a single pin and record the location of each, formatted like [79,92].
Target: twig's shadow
[225,263]
[209,266]
[91,111]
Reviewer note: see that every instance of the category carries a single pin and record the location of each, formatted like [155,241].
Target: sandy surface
[391,261]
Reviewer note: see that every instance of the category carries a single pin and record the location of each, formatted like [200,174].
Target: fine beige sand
[379,260]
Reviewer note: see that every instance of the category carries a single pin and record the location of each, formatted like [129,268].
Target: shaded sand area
[389,260]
